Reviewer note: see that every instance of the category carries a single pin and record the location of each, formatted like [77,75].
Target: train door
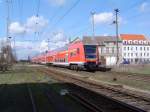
[66,58]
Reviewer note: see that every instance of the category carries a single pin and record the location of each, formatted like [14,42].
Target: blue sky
[133,17]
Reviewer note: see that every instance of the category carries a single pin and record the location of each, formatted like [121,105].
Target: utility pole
[48,40]
[46,52]
[7,18]
[93,23]
[117,34]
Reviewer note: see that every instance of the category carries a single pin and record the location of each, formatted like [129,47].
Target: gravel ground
[139,81]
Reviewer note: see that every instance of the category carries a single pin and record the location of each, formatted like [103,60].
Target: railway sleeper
[85,103]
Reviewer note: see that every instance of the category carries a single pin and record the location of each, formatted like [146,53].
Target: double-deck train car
[75,55]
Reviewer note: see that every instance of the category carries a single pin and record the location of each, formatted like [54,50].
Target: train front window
[90,51]
[90,56]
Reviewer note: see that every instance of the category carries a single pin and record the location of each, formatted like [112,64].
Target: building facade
[135,49]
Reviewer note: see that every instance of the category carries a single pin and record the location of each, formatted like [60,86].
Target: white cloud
[16,28]
[105,34]
[58,39]
[106,18]
[33,24]
[23,45]
[36,23]
[26,48]
[57,2]
[144,7]
[43,46]
[103,18]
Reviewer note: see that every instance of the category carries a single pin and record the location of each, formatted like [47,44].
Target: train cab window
[90,51]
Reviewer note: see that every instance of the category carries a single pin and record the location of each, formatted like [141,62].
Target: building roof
[132,37]
[98,39]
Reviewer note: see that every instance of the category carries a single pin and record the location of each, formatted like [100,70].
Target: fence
[137,69]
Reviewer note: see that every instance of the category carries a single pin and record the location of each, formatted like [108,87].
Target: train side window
[78,50]
[71,54]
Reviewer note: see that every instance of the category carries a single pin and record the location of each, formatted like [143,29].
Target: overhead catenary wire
[136,4]
[36,33]
[20,6]
[51,18]
[133,6]
[86,28]
[62,17]
[38,7]
[55,13]
[67,12]
[7,18]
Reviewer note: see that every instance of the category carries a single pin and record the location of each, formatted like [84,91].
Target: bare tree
[7,57]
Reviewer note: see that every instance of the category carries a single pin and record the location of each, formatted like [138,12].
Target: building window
[136,54]
[131,48]
[128,48]
[141,48]
[113,50]
[131,54]
[147,54]
[124,54]
[107,50]
[128,54]
[141,54]
[148,48]
[144,48]
[136,48]
[102,50]
[124,48]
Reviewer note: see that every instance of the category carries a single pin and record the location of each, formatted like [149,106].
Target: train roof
[99,40]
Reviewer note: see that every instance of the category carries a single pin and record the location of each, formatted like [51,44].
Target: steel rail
[88,105]
[109,99]
[34,109]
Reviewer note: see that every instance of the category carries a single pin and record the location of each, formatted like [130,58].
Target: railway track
[120,95]
[101,103]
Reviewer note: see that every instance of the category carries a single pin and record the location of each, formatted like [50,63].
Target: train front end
[90,57]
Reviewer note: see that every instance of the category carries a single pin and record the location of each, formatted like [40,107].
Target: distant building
[135,48]
[107,49]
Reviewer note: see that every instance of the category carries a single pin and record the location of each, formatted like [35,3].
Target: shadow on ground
[42,97]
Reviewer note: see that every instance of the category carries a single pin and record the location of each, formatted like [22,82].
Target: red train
[75,55]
